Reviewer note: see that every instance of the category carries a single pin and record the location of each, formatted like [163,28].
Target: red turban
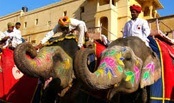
[136,8]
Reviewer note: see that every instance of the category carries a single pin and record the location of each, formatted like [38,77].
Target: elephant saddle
[15,87]
[163,89]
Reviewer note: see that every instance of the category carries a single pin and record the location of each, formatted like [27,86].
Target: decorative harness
[61,39]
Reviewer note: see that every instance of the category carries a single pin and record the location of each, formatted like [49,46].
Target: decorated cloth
[58,39]
[136,8]
[99,47]
[162,91]
[15,87]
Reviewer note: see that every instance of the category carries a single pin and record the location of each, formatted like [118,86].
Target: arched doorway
[146,11]
[104,23]
[104,2]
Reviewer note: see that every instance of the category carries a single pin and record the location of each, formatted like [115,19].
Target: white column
[151,9]
[110,2]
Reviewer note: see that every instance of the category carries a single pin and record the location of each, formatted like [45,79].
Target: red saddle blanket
[99,49]
[15,87]
[167,60]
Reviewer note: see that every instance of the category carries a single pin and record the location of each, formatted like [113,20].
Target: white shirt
[17,30]
[74,24]
[2,35]
[15,38]
[139,28]
[104,39]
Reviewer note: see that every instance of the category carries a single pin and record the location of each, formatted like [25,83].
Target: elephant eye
[127,56]
[154,55]
[57,57]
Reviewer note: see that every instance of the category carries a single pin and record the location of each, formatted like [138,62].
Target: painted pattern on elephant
[109,64]
[123,67]
[150,69]
[112,61]
[54,60]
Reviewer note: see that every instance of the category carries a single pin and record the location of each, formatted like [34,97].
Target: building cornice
[15,14]
[158,4]
[49,6]
[19,13]
[160,18]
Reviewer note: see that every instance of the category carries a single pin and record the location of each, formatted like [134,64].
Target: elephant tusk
[115,85]
[67,64]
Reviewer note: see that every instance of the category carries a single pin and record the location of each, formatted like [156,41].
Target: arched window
[104,22]
[146,11]
[113,2]
[103,2]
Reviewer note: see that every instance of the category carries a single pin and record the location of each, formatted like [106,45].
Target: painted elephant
[125,65]
[54,60]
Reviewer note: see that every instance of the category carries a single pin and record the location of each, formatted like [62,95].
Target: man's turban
[10,24]
[64,21]
[136,8]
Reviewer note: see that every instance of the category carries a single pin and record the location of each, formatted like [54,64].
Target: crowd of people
[12,36]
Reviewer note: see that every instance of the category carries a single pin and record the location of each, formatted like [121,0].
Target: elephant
[56,60]
[126,65]
[53,60]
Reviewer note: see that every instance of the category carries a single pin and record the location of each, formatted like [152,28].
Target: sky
[168,7]
[10,6]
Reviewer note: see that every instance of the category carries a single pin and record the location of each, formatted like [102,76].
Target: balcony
[106,7]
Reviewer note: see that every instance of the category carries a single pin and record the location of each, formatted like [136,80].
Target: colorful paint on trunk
[111,62]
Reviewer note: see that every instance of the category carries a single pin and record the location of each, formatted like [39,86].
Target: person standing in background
[13,37]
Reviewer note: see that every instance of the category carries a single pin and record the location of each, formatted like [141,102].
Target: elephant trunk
[37,64]
[21,59]
[97,80]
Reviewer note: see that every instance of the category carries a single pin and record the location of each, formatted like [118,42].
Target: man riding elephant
[67,25]
[137,26]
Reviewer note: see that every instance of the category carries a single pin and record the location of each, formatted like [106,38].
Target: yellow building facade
[111,15]
[165,24]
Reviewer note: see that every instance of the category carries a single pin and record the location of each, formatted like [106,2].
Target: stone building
[165,24]
[110,14]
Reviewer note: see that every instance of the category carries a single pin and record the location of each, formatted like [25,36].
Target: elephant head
[124,65]
[51,61]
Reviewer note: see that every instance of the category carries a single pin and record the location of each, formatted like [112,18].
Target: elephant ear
[151,70]
[133,66]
